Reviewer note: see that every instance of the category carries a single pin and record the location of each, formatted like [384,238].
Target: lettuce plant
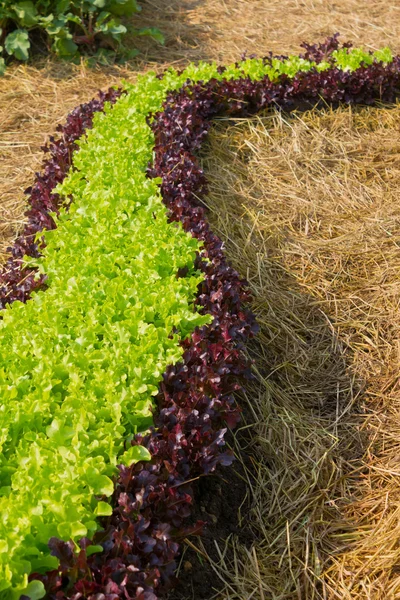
[81,363]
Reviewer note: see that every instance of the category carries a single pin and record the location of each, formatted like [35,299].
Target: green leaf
[117,31]
[17,43]
[64,530]
[78,529]
[34,590]
[103,509]
[127,54]
[103,486]
[65,46]
[26,13]
[2,65]
[93,549]
[102,56]
[103,16]
[133,455]
[57,27]
[153,32]
[123,8]
[62,6]
[46,21]
[113,28]
[43,563]
[384,55]
[130,53]
[71,18]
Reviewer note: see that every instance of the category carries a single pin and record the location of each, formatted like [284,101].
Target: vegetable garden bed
[118,374]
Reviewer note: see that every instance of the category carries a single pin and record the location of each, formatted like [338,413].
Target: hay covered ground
[308,206]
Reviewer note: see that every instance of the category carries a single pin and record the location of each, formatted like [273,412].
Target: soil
[218,499]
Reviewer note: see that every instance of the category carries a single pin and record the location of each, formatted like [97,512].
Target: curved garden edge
[195,399]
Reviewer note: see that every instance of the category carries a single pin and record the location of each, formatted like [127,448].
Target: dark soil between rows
[218,498]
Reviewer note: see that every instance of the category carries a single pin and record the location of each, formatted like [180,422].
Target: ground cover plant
[66,27]
[195,398]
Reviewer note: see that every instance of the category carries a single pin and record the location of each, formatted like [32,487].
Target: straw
[308,207]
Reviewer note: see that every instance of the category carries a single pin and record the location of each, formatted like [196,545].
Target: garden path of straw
[309,208]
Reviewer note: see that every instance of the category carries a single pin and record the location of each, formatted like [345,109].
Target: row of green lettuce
[81,362]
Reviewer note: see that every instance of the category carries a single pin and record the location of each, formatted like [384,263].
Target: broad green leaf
[103,486]
[133,455]
[113,28]
[64,530]
[57,27]
[71,18]
[26,13]
[46,21]
[123,8]
[102,56]
[103,509]
[65,46]
[17,43]
[129,54]
[103,16]
[78,529]
[153,32]
[35,590]
[93,550]
[62,6]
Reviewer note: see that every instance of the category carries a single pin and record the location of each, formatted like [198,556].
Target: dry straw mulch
[309,208]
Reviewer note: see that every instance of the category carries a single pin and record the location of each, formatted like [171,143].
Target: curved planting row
[17,282]
[117,381]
